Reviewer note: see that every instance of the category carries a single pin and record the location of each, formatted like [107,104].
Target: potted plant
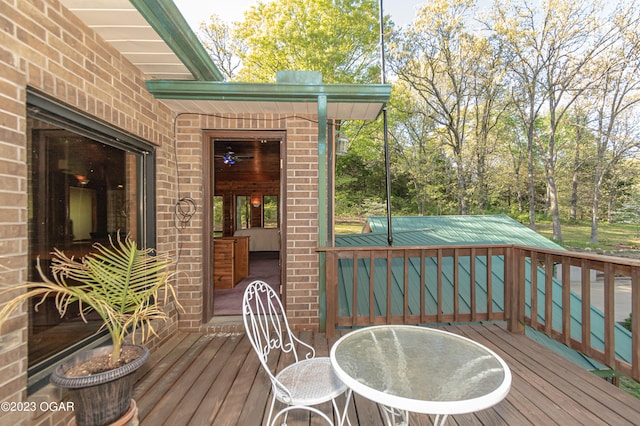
[127,287]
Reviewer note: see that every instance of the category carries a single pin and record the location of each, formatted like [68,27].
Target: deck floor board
[215,378]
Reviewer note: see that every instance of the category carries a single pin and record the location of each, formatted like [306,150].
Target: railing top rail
[403,248]
[617,260]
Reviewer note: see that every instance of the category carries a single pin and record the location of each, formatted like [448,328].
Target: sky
[196,11]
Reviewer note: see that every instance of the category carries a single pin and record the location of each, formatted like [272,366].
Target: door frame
[208,138]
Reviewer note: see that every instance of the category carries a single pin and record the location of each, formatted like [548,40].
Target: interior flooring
[264,266]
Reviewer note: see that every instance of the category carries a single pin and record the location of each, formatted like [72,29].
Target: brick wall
[46,47]
[300,222]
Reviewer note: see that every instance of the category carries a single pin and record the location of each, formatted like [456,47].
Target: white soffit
[120,24]
[337,110]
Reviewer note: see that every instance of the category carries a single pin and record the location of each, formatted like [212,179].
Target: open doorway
[245,217]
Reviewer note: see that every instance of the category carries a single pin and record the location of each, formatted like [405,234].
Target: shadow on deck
[215,378]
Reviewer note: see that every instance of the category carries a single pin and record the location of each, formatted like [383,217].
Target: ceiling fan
[230,157]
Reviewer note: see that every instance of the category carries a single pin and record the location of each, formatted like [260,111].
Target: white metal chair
[307,381]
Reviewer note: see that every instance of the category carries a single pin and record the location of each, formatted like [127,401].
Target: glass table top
[419,364]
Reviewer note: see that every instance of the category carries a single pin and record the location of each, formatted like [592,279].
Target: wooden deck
[215,378]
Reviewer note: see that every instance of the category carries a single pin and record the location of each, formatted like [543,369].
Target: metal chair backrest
[267,327]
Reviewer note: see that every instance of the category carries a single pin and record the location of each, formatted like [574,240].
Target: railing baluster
[534,289]
[405,305]
[372,314]
[423,284]
[515,281]
[456,285]
[635,322]
[548,295]
[472,284]
[354,294]
[566,301]
[585,285]
[439,286]
[389,276]
[609,306]
[490,285]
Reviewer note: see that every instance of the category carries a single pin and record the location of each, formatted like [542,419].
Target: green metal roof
[170,25]
[416,231]
[565,351]
[268,92]
[446,230]
[346,101]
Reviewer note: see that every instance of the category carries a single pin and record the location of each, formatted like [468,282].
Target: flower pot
[102,398]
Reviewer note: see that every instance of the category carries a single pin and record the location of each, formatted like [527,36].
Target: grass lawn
[618,239]
[349,227]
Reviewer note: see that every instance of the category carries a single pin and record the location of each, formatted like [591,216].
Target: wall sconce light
[256,201]
[342,145]
[82,180]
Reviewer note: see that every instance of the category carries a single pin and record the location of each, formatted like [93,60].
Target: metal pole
[387,165]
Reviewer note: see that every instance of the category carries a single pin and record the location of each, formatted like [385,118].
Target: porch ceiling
[152,34]
[335,111]
[344,101]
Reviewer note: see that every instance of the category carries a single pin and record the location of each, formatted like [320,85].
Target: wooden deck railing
[487,283]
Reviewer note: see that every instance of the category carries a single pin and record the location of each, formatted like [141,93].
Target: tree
[581,140]
[417,152]
[520,46]
[551,46]
[614,97]
[336,37]
[433,57]
[217,37]
[540,104]
[488,105]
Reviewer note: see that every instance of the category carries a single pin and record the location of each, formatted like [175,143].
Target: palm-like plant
[120,283]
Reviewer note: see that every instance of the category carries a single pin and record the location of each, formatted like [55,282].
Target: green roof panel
[426,231]
[472,229]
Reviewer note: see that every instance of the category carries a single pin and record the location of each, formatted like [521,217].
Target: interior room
[83,190]
[246,216]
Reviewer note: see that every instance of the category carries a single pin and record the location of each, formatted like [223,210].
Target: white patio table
[420,369]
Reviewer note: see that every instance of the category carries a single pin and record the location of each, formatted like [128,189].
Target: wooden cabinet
[230,261]
[241,259]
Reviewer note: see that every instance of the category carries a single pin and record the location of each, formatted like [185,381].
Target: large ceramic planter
[99,399]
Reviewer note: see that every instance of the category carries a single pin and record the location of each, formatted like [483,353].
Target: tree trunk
[555,212]
[612,199]
[462,182]
[595,208]
[594,214]
[573,214]
[532,188]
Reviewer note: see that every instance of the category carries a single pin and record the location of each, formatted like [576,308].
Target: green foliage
[627,322]
[470,124]
[614,238]
[631,386]
[120,283]
[336,37]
